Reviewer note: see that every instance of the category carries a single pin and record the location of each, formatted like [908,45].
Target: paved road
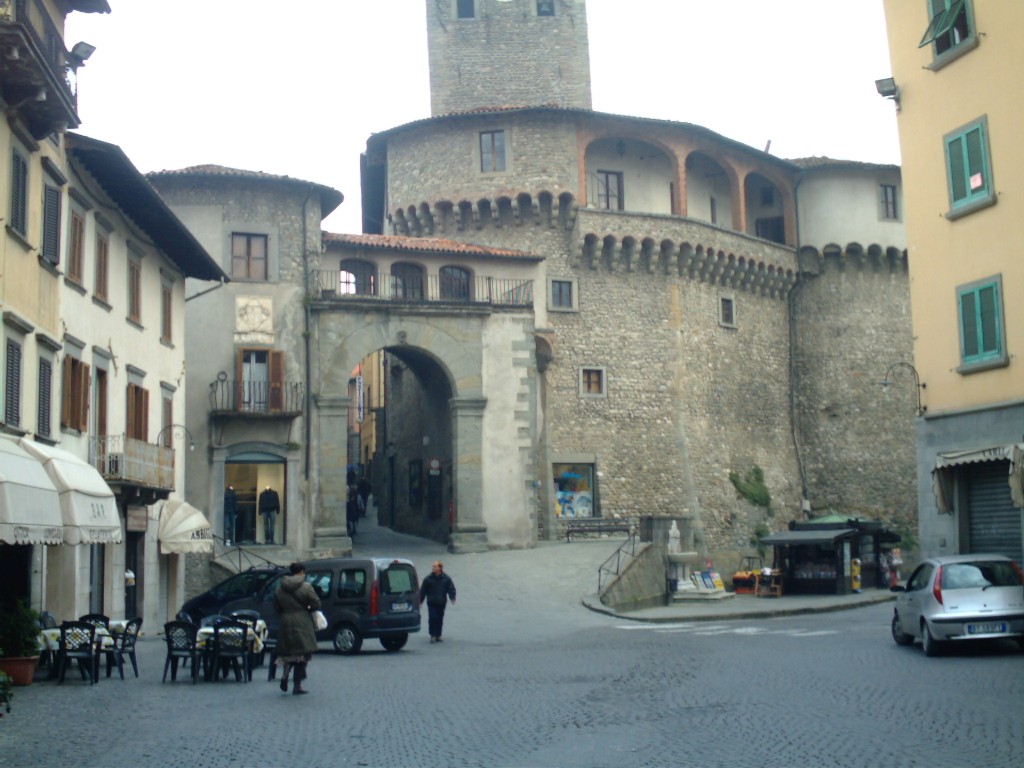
[528,677]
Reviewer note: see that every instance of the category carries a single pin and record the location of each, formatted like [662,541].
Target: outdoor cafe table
[49,641]
[205,635]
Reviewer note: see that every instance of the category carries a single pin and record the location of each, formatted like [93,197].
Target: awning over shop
[942,483]
[183,528]
[823,536]
[29,502]
[87,504]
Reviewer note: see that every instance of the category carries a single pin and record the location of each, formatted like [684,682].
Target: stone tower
[507,53]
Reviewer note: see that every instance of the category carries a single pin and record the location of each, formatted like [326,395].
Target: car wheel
[394,643]
[931,646]
[901,637]
[347,639]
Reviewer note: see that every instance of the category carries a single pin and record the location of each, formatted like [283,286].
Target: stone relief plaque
[254,319]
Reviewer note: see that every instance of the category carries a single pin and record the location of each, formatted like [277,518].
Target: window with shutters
[981,325]
[51,224]
[76,247]
[74,412]
[248,257]
[12,384]
[137,417]
[492,151]
[969,169]
[260,377]
[562,295]
[19,193]
[102,266]
[44,419]
[166,302]
[135,290]
[167,419]
[592,383]
[950,30]
[888,210]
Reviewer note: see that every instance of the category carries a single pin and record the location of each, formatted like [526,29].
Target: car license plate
[399,607]
[989,628]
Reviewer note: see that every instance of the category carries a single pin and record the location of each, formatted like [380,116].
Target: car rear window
[397,578]
[988,573]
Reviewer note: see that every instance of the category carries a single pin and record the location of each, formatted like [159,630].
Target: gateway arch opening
[399,440]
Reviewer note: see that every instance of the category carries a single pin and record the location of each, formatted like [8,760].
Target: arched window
[406,282]
[357,278]
[455,284]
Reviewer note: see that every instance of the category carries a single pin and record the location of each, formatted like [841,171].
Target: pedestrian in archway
[436,589]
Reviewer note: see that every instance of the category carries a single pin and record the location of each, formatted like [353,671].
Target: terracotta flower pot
[21,668]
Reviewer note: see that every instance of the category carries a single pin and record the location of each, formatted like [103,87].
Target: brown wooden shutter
[275,399]
[65,395]
[83,408]
[129,420]
[144,432]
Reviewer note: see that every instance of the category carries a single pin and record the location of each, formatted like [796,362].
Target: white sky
[295,87]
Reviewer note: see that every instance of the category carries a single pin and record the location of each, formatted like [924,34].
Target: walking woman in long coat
[296,636]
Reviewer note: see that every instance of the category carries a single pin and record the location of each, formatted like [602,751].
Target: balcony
[126,461]
[435,290]
[256,399]
[33,70]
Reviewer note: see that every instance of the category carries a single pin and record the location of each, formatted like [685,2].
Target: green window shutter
[19,193]
[988,306]
[975,156]
[980,331]
[51,224]
[942,20]
[969,325]
[968,166]
[957,171]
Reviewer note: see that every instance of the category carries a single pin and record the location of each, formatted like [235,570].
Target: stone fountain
[680,569]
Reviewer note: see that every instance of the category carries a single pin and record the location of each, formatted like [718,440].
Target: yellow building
[958,85]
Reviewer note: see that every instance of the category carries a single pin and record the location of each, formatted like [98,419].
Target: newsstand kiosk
[816,557]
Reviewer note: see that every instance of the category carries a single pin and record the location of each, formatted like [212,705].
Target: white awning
[29,503]
[1013,453]
[183,528]
[86,502]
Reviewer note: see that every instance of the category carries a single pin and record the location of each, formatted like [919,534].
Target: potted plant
[19,641]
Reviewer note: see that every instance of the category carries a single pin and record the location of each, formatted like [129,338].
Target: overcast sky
[296,87]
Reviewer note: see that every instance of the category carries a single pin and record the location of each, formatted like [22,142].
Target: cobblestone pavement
[528,677]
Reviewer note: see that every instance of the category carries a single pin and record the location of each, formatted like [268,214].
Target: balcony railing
[256,398]
[430,289]
[127,460]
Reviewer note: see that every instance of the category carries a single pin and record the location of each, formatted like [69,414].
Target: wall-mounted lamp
[888,89]
[178,431]
[78,54]
[896,372]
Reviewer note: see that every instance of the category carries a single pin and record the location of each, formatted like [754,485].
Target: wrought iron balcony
[126,461]
[33,69]
[421,289]
[257,398]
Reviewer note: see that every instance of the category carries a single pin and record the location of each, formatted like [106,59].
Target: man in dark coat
[436,589]
[296,636]
[269,505]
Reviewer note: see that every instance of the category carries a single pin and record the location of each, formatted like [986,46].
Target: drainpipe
[306,339]
[791,301]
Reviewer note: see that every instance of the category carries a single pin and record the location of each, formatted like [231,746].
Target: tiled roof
[330,198]
[813,163]
[426,245]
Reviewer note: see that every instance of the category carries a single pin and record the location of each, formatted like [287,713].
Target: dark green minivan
[362,598]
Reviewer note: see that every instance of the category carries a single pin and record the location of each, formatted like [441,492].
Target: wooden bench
[586,526]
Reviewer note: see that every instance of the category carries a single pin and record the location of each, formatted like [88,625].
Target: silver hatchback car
[961,597]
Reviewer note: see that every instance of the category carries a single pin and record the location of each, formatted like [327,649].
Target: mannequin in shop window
[269,505]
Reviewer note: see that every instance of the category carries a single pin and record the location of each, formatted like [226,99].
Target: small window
[465,9]
[137,416]
[12,388]
[727,311]
[19,193]
[455,284]
[357,278]
[950,27]
[102,266]
[406,282]
[609,190]
[248,256]
[562,295]
[592,382]
[968,169]
[75,396]
[76,248]
[135,290]
[43,416]
[166,434]
[889,209]
[492,151]
[981,325]
[51,224]
[545,7]
[166,305]
[714,211]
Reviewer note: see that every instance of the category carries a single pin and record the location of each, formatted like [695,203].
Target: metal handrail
[617,556]
[327,285]
[250,557]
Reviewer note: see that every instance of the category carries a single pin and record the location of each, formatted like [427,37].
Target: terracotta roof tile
[426,245]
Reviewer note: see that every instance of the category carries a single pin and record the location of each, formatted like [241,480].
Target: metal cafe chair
[232,646]
[182,645]
[78,642]
[124,645]
[96,619]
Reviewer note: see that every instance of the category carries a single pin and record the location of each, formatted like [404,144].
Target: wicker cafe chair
[250,617]
[231,647]
[78,642]
[181,646]
[124,645]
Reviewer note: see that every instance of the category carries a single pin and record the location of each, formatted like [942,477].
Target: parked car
[236,587]
[361,598]
[960,598]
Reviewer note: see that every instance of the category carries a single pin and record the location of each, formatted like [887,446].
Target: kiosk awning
[87,504]
[183,528]
[942,481]
[29,502]
[824,536]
